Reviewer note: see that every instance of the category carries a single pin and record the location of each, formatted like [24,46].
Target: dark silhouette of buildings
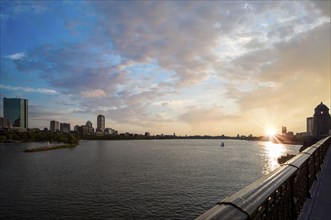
[320,124]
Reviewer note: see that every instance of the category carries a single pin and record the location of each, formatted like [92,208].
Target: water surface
[143,179]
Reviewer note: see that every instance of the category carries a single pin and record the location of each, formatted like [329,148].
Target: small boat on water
[222,144]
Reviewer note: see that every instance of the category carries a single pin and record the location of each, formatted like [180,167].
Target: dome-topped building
[322,120]
[321,109]
[89,124]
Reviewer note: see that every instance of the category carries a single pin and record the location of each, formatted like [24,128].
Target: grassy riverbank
[47,148]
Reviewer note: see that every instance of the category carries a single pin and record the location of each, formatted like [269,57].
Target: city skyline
[168,67]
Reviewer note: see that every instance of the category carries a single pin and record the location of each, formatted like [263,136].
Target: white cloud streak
[16,56]
[29,89]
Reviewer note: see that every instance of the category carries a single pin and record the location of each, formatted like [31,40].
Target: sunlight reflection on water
[272,153]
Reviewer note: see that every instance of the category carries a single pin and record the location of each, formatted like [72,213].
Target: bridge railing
[279,195]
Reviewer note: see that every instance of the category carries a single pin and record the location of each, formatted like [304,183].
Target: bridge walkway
[319,206]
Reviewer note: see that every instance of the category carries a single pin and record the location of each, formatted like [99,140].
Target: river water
[140,179]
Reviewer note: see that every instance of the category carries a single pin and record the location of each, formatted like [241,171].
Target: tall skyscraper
[16,111]
[101,123]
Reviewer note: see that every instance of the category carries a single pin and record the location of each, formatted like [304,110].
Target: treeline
[144,137]
[16,136]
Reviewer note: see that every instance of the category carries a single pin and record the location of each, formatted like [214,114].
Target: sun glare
[272,153]
[271,132]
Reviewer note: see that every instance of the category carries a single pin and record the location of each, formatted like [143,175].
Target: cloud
[298,73]
[182,44]
[73,67]
[323,6]
[29,89]
[183,37]
[213,120]
[12,10]
[307,53]
[234,54]
[198,115]
[302,56]
[16,56]
[93,93]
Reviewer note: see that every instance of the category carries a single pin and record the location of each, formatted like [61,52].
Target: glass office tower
[16,111]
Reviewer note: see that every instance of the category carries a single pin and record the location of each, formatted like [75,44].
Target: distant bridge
[282,193]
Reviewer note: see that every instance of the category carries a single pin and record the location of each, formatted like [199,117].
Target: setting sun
[271,132]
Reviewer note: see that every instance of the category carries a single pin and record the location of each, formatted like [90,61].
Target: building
[82,130]
[111,131]
[310,126]
[89,128]
[100,123]
[65,127]
[89,124]
[4,123]
[320,124]
[290,133]
[322,120]
[86,129]
[284,130]
[16,112]
[54,126]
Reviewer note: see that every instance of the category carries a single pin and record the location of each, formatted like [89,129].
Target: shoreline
[46,148]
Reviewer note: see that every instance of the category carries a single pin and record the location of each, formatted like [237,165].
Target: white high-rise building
[54,126]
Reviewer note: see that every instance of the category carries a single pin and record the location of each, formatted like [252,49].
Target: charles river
[137,179]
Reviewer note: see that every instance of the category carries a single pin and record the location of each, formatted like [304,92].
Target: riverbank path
[319,206]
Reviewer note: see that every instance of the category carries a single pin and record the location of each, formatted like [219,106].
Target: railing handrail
[278,195]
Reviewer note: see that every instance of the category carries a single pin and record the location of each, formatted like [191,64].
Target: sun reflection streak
[272,152]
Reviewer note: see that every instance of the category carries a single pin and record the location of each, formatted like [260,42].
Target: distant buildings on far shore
[16,117]
[55,126]
[88,129]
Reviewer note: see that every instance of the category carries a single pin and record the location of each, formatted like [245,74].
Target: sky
[183,67]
